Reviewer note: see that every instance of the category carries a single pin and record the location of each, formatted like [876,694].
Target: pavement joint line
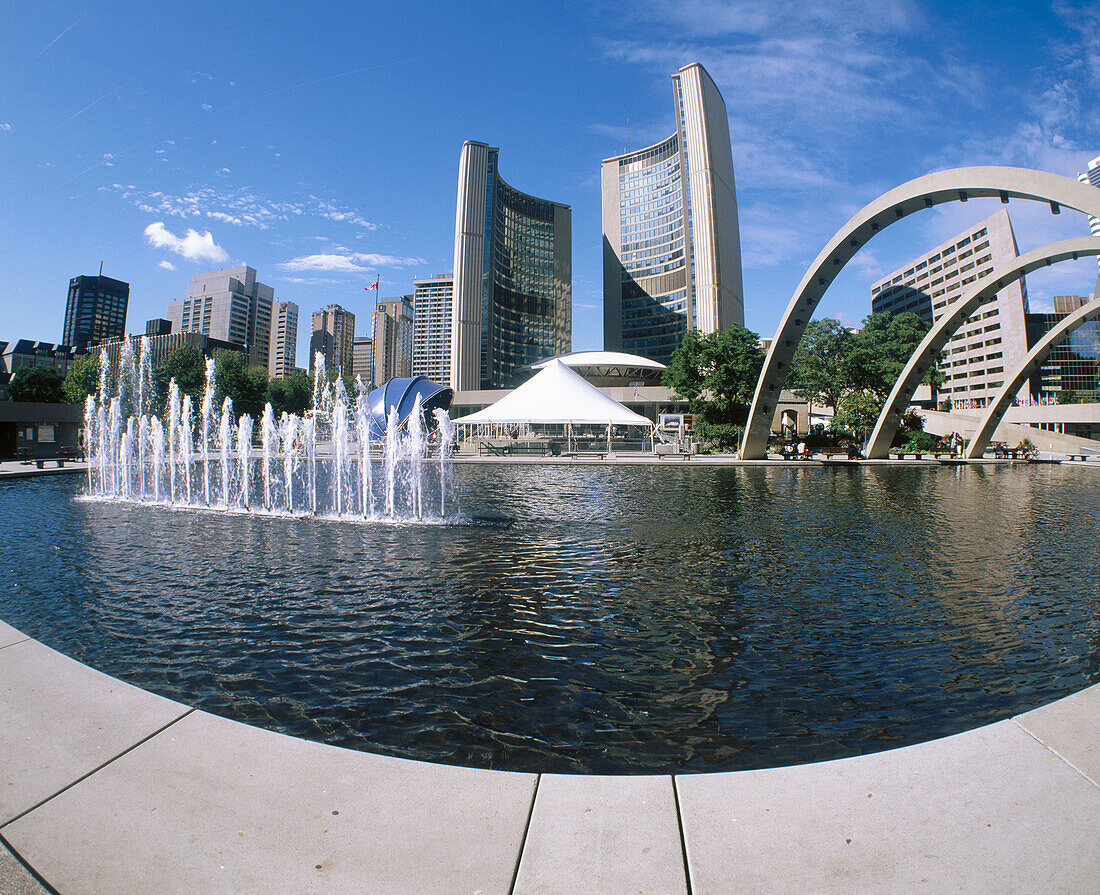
[1056,753]
[683,838]
[16,643]
[523,840]
[34,874]
[98,768]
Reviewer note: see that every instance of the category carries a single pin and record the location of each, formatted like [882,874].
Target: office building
[228,305]
[671,245]
[332,335]
[362,359]
[432,299]
[1092,175]
[95,310]
[513,276]
[993,340]
[1070,372]
[392,340]
[158,327]
[284,339]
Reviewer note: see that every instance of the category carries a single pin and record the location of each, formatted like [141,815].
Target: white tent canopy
[556,395]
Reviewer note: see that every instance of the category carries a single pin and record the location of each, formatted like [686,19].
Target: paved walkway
[16,469]
[107,788]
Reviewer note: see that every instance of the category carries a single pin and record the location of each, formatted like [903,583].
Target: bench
[679,455]
[23,454]
[41,464]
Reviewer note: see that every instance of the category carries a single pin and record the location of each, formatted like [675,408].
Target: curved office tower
[672,251]
[513,276]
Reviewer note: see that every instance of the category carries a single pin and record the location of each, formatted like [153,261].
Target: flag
[373,286]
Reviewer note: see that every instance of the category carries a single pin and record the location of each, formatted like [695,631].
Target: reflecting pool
[630,620]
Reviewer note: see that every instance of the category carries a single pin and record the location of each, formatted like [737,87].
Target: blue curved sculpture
[402,393]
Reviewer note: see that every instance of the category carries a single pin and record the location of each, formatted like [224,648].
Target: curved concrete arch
[996,411]
[956,184]
[956,314]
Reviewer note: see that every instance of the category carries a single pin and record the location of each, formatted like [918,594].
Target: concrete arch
[956,184]
[956,314]
[996,411]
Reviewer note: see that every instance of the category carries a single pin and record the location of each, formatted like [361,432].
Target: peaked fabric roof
[557,394]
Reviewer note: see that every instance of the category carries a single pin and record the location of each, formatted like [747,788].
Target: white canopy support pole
[609,438]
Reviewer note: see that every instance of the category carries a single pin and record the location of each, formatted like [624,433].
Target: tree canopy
[36,383]
[821,369]
[82,379]
[716,374]
[881,350]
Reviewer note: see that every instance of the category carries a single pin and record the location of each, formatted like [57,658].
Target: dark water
[631,620]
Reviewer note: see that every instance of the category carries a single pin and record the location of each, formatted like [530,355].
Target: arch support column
[956,184]
[955,315]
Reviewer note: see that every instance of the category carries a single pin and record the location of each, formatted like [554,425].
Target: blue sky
[319,143]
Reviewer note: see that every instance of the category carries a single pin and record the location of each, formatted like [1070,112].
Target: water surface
[632,620]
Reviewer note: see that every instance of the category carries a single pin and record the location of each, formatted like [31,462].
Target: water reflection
[630,620]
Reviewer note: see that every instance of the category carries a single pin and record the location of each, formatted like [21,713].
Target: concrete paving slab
[210,805]
[1070,727]
[603,834]
[10,635]
[60,720]
[988,811]
[14,877]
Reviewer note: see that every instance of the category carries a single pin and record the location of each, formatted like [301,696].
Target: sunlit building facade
[228,305]
[332,335]
[513,275]
[392,340]
[993,340]
[671,243]
[432,298]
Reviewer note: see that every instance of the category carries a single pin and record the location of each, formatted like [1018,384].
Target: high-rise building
[284,339]
[1092,175]
[333,335]
[432,299]
[1071,372]
[671,245]
[95,310]
[513,276]
[994,337]
[229,305]
[362,359]
[392,339]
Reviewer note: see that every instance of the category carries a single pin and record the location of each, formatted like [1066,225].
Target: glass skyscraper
[513,292]
[672,250]
[95,310]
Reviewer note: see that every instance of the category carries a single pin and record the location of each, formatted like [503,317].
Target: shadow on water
[596,619]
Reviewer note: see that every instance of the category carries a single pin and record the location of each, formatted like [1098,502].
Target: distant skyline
[319,144]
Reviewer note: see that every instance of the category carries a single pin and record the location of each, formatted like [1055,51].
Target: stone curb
[105,787]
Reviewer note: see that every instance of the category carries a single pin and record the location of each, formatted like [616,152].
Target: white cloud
[350,262]
[239,207]
[206,107]
[5,126]
[167,265]
[222,172]
[193,246]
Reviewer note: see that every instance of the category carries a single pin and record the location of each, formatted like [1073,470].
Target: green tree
[856,414]
[246,386]
[294,394]
[36,383]
[882,349]
[82,379]
[188,367]
[716,374]
[820,370]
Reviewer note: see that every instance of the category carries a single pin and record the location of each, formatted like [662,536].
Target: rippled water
[631,620]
